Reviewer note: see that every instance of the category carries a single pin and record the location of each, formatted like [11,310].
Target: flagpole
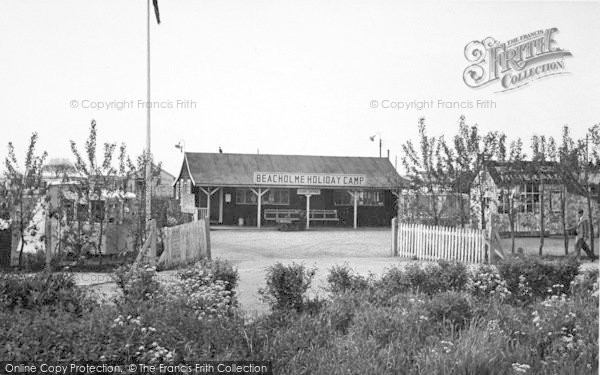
[148,106]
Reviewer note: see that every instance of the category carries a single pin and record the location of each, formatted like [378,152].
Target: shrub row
[449,331]
[34,291]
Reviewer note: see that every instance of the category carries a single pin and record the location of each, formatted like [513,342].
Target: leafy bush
[287,285]
[528,278]
[486,282]
[206,299]
[451,307]
[454,275]
[342,279]
[341,310]
[211,271]
[430,279]
[137,281]
[41,289]
[586,283]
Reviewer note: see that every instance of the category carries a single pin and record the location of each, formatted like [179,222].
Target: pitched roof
[216,169]
[511,173]
[164,173]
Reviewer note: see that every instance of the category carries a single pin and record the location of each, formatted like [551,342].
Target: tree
[591,164]
[515,158]
[543,150]
[568,163]
[24,184]
[427,169]
[466,160]
[99,178]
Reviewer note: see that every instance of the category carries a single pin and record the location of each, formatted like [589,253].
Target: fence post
[395,237]
[207,238]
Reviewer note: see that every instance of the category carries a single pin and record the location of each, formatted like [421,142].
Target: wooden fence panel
[186,243]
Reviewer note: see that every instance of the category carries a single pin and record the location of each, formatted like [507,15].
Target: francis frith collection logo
[514,63]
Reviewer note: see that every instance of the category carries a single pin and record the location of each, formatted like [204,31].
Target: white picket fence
[428,242]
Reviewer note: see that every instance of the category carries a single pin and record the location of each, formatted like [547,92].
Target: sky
[282,77]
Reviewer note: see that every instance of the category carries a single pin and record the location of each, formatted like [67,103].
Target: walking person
[583,236]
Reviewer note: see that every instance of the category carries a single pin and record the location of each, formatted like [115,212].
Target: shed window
[342,198]
[504,203]
[371,198]
[365,198]
[555,201]
[82,212]
[98,210]
[245,196]
[69,209]
[530,197]
[277,197]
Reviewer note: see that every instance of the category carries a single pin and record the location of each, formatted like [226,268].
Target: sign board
[188,203]
[309,192]
[309,179]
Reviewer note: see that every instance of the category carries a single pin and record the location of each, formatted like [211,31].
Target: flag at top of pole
[156,12]
[148,153]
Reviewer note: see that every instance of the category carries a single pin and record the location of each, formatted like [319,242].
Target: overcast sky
[289,77]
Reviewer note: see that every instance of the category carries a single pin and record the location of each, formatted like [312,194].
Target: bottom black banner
[76,368]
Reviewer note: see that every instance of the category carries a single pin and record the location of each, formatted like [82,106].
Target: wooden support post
[207,239]
[307,211]
[395,237]
[355,195]
[221,206]
[258,208]
[153,235]
[259,195]
[148,250]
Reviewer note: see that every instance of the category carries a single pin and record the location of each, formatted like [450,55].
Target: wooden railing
[202,213]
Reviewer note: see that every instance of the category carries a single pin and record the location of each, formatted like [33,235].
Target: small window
[371,198]
[555,202]
[98,210]
[504,203]
[245,196]
[277,197]
[365,198]
[82,212]
[69,209]
[530,197]
[342,198]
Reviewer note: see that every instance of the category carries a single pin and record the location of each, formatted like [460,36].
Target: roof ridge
[287,155]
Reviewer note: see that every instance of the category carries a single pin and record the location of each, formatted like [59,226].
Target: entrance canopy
[294,171]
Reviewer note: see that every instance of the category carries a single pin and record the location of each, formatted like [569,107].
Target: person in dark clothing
[583,236]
